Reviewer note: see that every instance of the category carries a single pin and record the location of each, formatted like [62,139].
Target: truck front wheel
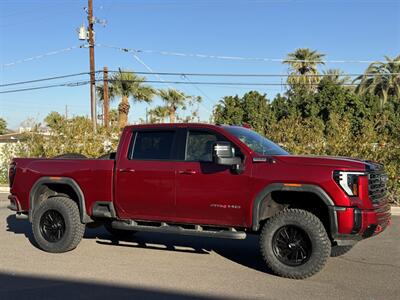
[294,244]
[56,225]
[340,250]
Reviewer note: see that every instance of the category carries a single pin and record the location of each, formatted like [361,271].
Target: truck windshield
[256,142]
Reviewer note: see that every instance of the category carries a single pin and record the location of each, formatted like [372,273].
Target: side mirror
[224,154]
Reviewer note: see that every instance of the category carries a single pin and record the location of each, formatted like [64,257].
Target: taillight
[11,173]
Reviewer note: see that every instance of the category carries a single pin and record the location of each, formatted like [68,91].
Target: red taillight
[11,173]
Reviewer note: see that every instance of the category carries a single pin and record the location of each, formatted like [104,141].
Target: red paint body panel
[94,177]
[206,191]
[193,192]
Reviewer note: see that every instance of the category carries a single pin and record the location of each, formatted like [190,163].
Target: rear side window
[151,145]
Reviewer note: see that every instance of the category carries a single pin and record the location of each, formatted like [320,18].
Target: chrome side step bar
[194,230]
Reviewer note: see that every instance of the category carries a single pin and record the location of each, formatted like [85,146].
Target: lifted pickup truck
[206,180]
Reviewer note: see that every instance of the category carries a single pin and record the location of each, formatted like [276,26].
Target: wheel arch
[264,205]
[46,187]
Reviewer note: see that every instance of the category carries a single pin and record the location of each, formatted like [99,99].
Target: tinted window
[255,141]
[199,145]
[153,145]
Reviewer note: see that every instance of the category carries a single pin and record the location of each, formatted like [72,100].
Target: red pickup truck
[206,180]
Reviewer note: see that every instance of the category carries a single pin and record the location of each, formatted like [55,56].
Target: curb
[4,189]
[395,210]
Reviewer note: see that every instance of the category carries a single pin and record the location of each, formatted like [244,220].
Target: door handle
[187,172]
[127,170]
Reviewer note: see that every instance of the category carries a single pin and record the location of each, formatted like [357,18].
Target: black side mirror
[224,154]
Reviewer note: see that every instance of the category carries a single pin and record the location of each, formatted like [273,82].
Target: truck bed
[94,177]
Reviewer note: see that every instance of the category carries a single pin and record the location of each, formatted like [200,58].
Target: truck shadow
[14,287]
[243,252]
[20,227]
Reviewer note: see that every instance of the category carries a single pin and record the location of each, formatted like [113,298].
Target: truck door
[207,193]
[145,177]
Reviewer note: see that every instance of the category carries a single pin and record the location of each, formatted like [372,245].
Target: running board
[194,230]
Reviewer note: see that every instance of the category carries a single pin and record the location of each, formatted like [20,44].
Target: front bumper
[354,224]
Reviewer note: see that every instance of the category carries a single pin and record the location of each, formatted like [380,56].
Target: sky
[350,30]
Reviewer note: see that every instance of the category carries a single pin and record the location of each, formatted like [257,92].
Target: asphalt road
[159,266]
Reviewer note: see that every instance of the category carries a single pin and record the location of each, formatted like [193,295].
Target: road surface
[160,266]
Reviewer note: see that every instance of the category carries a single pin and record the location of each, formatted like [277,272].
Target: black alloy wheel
[52,226]
[294,243]
[291,245]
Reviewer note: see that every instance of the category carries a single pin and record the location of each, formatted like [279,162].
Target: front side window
[199,145]
[153,145]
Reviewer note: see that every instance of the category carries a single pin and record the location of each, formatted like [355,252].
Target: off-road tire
[340,250]
[311,227]
[119,234]
[74,229]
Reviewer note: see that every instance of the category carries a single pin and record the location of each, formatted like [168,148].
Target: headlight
[348,181]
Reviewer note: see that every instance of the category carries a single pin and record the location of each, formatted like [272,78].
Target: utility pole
[92,66]
[66,112]
[106,102]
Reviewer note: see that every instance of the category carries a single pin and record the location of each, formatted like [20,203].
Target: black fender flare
[59,180]
[294,188]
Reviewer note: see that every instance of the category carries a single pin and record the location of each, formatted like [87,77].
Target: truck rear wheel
[56,225]
[340,250]
[294,244]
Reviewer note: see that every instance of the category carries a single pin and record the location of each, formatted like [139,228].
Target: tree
[174,100]
[3,126]
[252,109]
[127,84]
[54,120]
[158,114]
[336,76]
[381,79]
[228,111]
[303,65]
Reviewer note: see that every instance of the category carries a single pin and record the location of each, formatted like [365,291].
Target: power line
[236,58]
[161,79]
[80,83]
[69,84]
[184,75]
[251,74]
[42,55]
[44,79]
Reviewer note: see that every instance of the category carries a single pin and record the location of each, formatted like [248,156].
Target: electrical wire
[45,79]
[69,84]
[213,83]
[161,79]
[42,56]
[185,75]
[236,58]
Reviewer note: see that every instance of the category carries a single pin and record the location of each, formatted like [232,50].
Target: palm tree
[127,84]
[174,100]
[336,76]
[303,65]
[381,79]
[158,114]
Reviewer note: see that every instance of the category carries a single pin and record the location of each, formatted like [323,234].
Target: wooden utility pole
[106,101]
[92,66]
